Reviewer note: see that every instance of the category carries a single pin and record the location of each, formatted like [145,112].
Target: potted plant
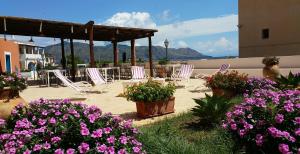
[11,85]
[161,69]
[271,69]
[227,84]
[152,98]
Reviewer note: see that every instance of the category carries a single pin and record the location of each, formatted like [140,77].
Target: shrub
[229,81]
[267,121]
[292,81]
[150,91]
[60,126]
[163,61]
[270,61]
[211,109]
[14,81]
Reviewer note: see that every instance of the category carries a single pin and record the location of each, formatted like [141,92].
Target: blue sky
[209,26]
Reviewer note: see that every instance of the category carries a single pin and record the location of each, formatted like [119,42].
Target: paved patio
[109,102]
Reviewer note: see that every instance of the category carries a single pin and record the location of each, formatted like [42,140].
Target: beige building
[269,28]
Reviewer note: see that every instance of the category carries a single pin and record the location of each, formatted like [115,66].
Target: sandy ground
[109,102]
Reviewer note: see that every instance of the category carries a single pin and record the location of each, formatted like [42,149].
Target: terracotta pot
[8,93]
[223,92]
[6,106]
[271,72]
[152,109]
[161,72]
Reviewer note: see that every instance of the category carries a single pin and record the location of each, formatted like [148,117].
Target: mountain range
[105,53]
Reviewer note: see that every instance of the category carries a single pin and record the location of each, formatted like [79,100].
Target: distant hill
[106,52]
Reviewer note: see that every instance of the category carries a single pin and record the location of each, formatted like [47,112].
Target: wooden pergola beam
[116,54]
[133,54]
[150,56]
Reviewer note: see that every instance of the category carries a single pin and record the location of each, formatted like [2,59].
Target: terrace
[225,97]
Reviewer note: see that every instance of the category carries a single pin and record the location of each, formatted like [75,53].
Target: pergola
[69,30]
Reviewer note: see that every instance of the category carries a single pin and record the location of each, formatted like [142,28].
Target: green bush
[212,109]
[292,81]
[150,91]
[163,61]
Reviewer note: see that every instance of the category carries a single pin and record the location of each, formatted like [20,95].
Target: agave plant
[292,81]
[212,109]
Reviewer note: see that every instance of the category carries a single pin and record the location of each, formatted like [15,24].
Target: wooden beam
[63,56]
[150,56]
[133,55]
[116,55]
[73,70]
[91,39]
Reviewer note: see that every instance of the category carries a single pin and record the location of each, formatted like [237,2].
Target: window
[265,33]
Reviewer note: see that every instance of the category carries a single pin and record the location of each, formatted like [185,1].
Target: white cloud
[219,46]
[133,19]
[182,44]
[165,15]
[198,27]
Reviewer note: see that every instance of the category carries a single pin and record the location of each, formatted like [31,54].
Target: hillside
[106,52]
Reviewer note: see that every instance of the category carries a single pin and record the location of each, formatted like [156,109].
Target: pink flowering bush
[63,127]
[267,121]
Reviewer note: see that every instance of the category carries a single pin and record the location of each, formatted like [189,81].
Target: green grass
[183,135]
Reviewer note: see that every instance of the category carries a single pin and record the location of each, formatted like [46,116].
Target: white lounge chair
[81,87]
[184,74]
[95,76]
[138,73]
[223,68]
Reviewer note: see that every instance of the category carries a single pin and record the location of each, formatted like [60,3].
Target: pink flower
[279,118]
[41,122]
[83,148]
[84,131]
[59,151]
[297,132]
[107,130]
[233,126]
[2,122]
[52,121]
[92,118]
[111,139]
[37,147]
[47,146]
[70,151]
[55,139]
[284,148]
[97,133]
[136,149]
[101,148]
[259,139]
[123,139]
[27,151]
[122,151]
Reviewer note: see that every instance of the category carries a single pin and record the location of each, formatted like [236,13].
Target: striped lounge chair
[223,68]
[138,73]
[82,87]
[95,76]
[184,74]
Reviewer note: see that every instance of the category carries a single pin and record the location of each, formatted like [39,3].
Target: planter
[161,72]
[223,92]
[271,72]
[152,109]
[8,93]
[6,106]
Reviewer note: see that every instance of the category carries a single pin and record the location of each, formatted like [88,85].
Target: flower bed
[267,121]
[62,127]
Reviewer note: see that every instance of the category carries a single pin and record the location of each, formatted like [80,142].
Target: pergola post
[133,55]
[116,55]
[73,71]
[91,39]
[150,56]
[63,56]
